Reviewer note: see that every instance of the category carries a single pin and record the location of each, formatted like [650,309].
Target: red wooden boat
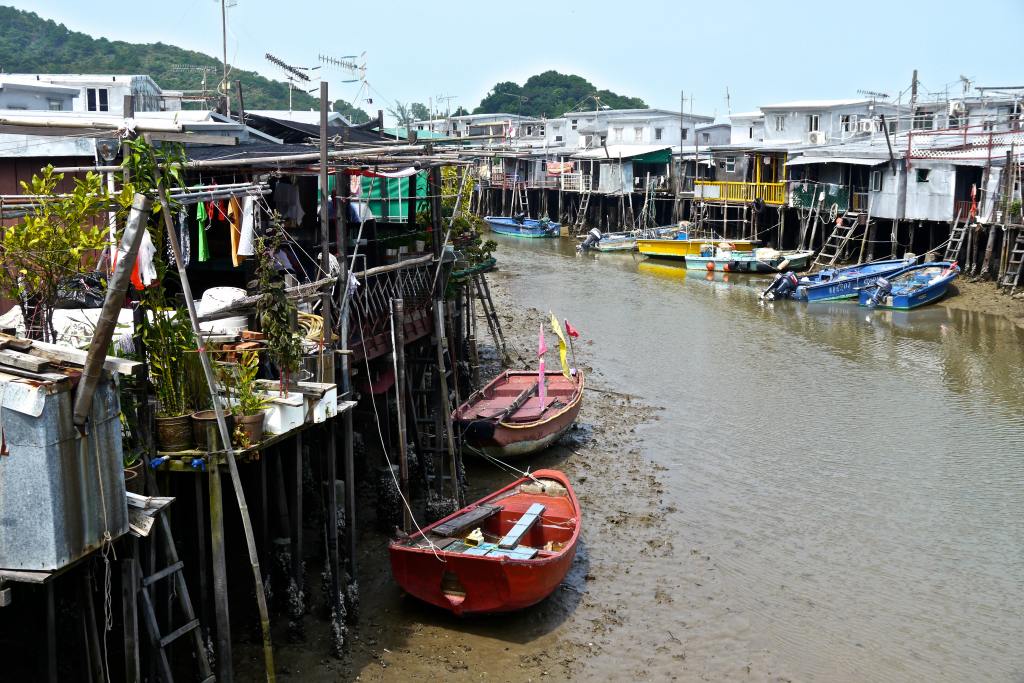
[528,541]
[505,419]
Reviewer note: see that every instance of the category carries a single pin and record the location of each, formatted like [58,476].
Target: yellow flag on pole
[561,344]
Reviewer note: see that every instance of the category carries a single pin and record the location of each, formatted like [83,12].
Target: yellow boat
[680,249]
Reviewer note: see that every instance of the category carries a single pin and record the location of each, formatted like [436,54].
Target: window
[730,164]
[923,120]
[558,138]
[541,131]
[96,99]
[617,134]
[573,122]
[604,138]
[988,125]
[846,123]
[892,127]
[684,132]
[56,105]
[922,175]
[750,132]
[876,181]
[706,137]
[529,130]
[638,134]
[657,133]
[812,123]
[780,122]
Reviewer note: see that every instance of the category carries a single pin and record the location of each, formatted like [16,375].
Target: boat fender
[709,265]
[727,267]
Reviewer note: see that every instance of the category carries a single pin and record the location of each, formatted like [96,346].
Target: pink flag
[542,348]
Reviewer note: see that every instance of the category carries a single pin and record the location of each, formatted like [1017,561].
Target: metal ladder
[581,216]
[836,242]
[1011,277]
[956,238]
[161,642]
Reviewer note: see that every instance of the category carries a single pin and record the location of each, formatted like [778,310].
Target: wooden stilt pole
[398,339]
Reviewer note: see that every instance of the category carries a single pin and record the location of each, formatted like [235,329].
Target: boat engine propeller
[782,286]
[882,289]
[593,237]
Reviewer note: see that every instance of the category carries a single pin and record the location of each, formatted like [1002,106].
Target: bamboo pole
[398,348]
[225,434]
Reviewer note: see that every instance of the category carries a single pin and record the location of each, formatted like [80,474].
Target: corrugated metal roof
[619,151]
[855,161]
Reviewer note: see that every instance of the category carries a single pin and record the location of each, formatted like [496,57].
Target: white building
[591,129]
[103,93]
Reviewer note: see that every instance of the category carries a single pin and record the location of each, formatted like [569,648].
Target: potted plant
[169,344]
[277,313]
[249,403]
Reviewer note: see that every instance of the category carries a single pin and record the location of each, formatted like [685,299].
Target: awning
[854,161]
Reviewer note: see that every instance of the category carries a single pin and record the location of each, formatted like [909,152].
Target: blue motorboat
[830,284]
[911,287]
[521,226]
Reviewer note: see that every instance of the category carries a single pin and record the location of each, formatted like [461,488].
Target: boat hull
[747,263]
[848,285]
[506,439]
[528,228]
[904,299]
[616,245]
[680,249]
[473,584]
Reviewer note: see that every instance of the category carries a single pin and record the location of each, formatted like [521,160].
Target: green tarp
[661,156]
[389,197]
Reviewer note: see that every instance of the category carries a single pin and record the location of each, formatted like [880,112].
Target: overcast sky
[762,51]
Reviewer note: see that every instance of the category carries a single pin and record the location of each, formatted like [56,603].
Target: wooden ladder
[520,200]
[1011,277]
[161,642]
[956,238]
[483,294]
[836,242]
[581,216]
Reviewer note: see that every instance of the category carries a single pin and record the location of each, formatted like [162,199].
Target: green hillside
[551,94]
[31,44]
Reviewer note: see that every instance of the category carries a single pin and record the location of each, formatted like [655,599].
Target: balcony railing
[740,193]
[963,208]
[370,312]
[575,182]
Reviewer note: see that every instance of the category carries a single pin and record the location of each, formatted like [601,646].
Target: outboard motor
[882,289]
[519,218]
[782,286]
[593,237]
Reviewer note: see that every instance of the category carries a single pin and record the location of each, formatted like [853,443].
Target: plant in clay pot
[249,403]
[173,367]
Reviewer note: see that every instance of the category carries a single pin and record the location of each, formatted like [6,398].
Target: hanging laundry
[288,204]
[185,243]
[144,269]
[245,244]
[235,221]
[204,222]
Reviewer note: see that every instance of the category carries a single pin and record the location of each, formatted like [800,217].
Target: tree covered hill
[551,94]
[31,44]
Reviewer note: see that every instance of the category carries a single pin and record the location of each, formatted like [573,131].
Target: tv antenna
[350,64]
[195,68]
[293,74]
[874,95]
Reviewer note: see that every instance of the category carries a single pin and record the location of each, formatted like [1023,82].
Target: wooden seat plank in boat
[471,518]
[516,533]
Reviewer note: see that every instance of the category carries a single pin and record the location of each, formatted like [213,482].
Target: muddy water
[840,492]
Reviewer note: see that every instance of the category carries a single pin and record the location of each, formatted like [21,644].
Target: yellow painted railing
[728,191]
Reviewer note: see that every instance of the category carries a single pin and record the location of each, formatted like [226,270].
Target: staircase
[836,242]
[1011,278]
[956,239]
[483,294]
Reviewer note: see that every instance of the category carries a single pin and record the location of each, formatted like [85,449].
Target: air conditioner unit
[816,137]
[865,125]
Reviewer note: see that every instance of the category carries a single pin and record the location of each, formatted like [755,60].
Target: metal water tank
[60,492]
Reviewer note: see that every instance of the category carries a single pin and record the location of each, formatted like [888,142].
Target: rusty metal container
[59,492]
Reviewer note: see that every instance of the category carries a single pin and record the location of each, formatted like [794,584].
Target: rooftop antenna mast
[224,89]
[349,64]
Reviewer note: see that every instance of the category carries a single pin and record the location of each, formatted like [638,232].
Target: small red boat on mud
[504,552]
[506,418]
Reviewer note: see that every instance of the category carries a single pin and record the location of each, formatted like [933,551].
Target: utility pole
[913,101]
